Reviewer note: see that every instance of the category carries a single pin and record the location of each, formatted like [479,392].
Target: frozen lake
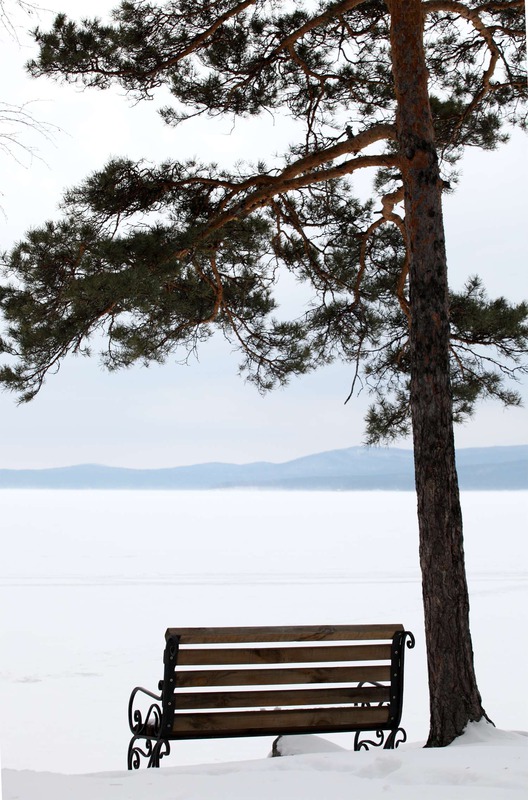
[91,579]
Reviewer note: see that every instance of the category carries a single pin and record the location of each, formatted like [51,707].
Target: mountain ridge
[346,469]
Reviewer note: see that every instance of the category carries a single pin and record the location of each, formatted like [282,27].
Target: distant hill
[351,469]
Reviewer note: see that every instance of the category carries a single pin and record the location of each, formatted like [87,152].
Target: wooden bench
[273,681]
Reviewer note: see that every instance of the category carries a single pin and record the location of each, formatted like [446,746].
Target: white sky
[171,415]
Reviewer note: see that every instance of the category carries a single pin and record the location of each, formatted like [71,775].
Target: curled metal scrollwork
[150,723]
[153,750]
[364,744]
[392,740]
[395,738]
[376,684]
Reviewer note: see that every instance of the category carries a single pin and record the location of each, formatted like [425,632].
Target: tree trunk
[453,691]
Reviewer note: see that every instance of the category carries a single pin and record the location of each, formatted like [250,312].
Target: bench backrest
[280,680]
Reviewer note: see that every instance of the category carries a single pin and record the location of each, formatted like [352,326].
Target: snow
[90,580]
[465,771]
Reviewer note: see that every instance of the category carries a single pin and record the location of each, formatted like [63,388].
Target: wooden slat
[294,675]
[282,655]
[290,633]
[277,698]
[271,723]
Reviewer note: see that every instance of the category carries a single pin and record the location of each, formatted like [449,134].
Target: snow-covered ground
[483,765]
[90,580]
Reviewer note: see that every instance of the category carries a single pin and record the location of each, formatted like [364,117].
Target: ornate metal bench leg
[389,739]
[146,727]
[153,750]
[364,744]
[161,748]
[395,738]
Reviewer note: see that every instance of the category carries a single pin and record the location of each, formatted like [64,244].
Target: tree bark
[454,696]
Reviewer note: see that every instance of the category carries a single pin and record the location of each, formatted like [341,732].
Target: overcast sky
[171,415]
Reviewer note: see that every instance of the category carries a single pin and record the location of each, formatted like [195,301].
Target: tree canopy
[158,256]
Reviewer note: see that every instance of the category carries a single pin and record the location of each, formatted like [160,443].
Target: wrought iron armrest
[396,735]
[150,725]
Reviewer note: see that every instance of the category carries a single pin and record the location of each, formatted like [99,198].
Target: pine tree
[157,257]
